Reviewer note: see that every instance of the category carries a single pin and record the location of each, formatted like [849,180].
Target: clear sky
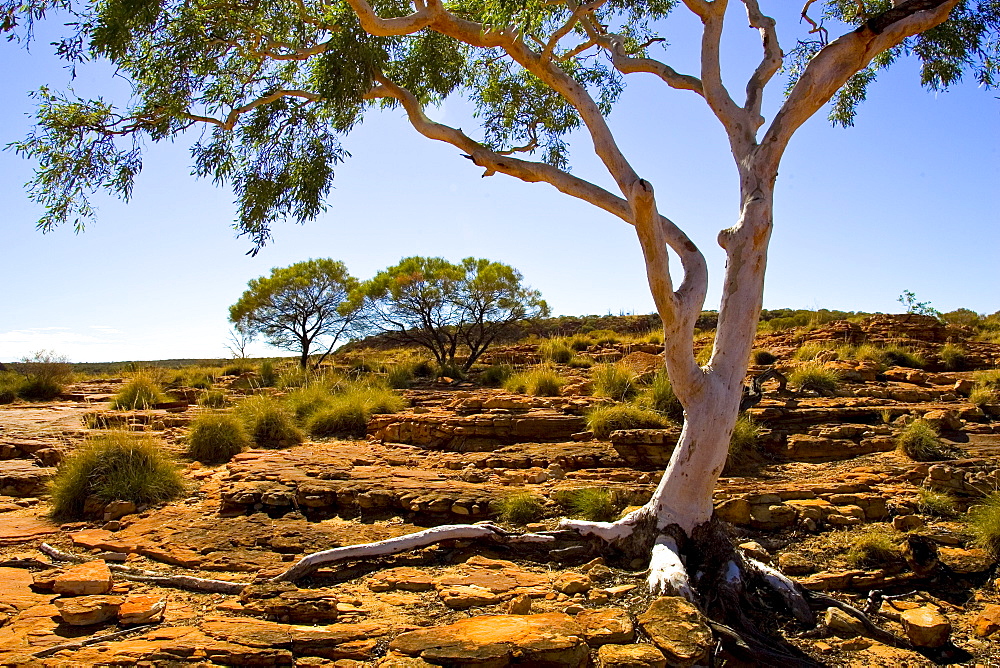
[906,200]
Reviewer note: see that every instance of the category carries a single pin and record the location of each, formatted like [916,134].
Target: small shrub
[213,399]
[744,438]
[814,376]
[953,357]
[763,357]
[593,503]
[140,392]
[983,522]
[615,381]
[268,422]
[603,420]
[113,466]
[937,504]
[268,377]
[496,375]
[555,350]
[660,397]
[919,441]
[902,356]
[538,382]
[519,508]
[873,546]
[216,437]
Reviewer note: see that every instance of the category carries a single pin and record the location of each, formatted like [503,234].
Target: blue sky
[907,199]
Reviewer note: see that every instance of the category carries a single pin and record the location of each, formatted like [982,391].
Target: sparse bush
[872,546]
[937,504]
[216,437]
[213,399]
[519,508]
[555,350]
[953,357]
[268,378]
[744,438]
[615,381]
[603,420]
[763,357]
[814,376]
[140,392]
[660,397]
[113,466]
[919,441]
[496,375]
[593,503]
[983,522]
[902,356]
[268,422]
[538,382]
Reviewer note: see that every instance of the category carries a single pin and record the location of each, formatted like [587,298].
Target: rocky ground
[827,468]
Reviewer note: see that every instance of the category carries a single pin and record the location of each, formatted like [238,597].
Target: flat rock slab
[546,640]
[19,530]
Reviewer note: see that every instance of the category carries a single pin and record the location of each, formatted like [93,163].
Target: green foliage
[519,508]
[615,381]
[872,546]
[937,504]
[660,397]
[299,307]
[213,399]
[592,503]
[919,441]
[814,376]
[602,420]
[114,466]
[953,356]
[763,357]
[983,522]
[140,392]
[496,375]
[442,306]
[541,381]
[745,436]
[555,350]
[216,437]
[268,422]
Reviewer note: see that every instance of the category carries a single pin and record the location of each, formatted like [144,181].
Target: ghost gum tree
[273,84]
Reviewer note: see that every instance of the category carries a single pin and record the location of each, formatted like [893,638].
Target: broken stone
[90,578]
[678,629]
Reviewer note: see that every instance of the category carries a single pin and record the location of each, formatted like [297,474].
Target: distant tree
[448,307]
[298,307]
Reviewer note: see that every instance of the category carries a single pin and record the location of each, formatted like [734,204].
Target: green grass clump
[744,438]
[615,381]
[953,357]
[347,412]
[519,508]
[541,381]
[213,399]
[902,356]
[140,392]
[983,522]
[268,422]
[592,503]
[919,441]
[814,376]
[603,420]
[937,504]
[763,357]
[555,350]
[216,437]
[872,546]
[114,466]
[660,397]
[496,375]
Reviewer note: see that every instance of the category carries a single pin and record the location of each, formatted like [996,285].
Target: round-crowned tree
[301,307]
